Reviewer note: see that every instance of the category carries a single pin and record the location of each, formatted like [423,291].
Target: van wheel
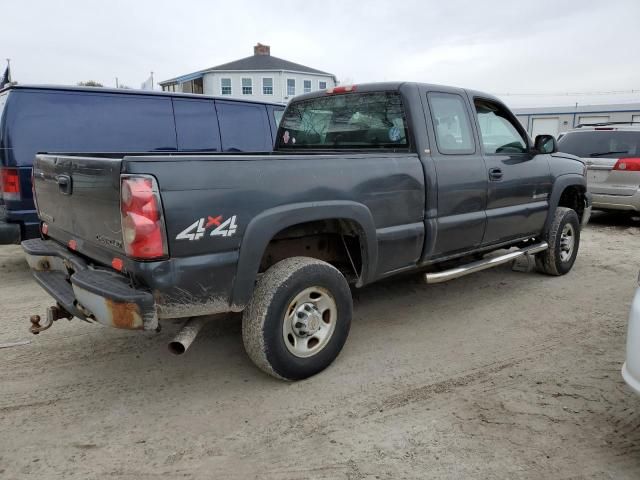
[298,318]
[564,240]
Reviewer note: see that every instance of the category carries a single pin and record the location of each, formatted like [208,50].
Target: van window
[196,125]
[81,122]
[451,123]
[277,114]
[3,101]
[244,127]
[351,121]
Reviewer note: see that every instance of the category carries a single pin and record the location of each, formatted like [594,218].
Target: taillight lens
[10,183]
[628,165]
[143,231]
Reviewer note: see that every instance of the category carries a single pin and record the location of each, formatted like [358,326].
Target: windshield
[601,143]
[350,121]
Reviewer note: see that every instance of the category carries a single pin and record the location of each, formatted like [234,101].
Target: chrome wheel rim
[309,322]
[567,242]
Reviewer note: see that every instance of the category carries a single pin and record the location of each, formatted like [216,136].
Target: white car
[631,368]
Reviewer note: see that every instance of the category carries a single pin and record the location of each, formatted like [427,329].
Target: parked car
[612,154]
[366,182]
[631,367]
[41,118]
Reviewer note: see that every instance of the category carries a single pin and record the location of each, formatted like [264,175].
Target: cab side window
[498,132]
[452,124]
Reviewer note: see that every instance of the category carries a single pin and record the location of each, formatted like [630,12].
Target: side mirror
[545,144]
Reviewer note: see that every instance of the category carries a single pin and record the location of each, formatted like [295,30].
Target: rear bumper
[616,202]
[91,294]
[16,226]
[631,368]
[10,233]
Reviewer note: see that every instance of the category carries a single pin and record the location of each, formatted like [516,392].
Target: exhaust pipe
[187,334]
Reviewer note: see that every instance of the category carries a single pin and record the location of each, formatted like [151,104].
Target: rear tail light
[10,183]
[143,231]
[628,165]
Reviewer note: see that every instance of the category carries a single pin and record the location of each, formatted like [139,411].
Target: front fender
[560,184]
[262,228]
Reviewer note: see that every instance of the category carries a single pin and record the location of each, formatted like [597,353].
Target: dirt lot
[497,375]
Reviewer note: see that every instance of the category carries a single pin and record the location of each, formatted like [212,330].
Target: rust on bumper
[94,294]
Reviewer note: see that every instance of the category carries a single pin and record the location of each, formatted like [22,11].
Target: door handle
[495,174]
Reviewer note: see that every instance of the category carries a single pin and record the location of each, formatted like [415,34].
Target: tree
[90,83]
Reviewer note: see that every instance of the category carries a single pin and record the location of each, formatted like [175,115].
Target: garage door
[545,126]
[593,119]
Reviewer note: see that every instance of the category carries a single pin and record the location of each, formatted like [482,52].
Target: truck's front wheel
[564,240]
[298,318]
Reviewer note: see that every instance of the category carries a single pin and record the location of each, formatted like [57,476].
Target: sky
[540,53]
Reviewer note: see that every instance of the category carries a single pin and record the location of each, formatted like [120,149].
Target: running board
[439,277]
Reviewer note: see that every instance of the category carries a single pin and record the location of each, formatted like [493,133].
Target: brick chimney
[261,49]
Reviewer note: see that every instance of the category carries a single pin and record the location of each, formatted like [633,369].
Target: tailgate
[79,198]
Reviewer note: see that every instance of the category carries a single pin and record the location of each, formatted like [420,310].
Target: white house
[258,77]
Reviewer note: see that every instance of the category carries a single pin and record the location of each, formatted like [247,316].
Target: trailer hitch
[53,313]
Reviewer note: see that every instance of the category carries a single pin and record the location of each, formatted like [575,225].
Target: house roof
[252,63]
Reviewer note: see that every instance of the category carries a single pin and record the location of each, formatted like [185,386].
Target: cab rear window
[350,121]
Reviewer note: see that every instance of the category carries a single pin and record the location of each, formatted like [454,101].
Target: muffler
[187,334]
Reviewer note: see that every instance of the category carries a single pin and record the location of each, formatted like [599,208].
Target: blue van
[88,119]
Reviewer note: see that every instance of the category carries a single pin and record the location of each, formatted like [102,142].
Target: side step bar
[439,277]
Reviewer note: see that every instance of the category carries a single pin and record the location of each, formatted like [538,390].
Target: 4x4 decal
[223,228]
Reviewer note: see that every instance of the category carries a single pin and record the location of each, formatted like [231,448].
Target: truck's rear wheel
[564,240]
[298,318]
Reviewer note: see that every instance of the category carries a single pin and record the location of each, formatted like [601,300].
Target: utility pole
[151,80]
[117,83]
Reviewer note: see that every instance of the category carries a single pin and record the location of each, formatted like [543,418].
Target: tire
[298,318]
[557,259]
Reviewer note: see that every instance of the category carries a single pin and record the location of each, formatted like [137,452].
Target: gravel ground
[497,375]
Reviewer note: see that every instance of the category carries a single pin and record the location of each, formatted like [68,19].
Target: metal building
[556,120]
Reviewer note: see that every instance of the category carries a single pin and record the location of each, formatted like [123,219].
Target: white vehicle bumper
[617,202]
[631,368]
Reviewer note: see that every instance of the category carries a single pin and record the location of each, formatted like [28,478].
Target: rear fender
[265,226]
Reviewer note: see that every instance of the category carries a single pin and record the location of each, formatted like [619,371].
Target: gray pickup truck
[365,182]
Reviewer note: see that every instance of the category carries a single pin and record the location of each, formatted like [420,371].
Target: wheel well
[334,241]
[573,197]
